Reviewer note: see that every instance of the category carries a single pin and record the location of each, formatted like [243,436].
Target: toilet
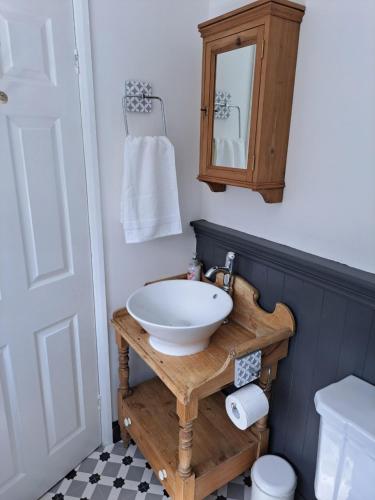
[345,467]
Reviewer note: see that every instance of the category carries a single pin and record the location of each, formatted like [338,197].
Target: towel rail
[143,96]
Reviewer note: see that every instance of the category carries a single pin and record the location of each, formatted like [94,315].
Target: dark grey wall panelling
[334,307]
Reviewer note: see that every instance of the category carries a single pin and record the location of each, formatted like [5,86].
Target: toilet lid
[273,475]
[350,405]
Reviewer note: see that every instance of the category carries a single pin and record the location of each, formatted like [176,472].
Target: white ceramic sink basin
[179,315]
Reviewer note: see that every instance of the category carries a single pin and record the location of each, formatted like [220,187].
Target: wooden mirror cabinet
[249,60]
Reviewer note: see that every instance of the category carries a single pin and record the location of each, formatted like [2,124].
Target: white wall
[329,199]
[158,42]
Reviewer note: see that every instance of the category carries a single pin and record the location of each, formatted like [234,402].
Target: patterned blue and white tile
[116,473]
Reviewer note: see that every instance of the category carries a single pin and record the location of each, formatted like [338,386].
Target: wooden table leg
[185,482]
[123,390]
[260,428]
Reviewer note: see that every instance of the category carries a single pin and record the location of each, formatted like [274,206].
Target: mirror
[232,107]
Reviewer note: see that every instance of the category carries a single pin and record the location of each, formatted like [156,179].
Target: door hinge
[76,60]
[99,399]
[262,49]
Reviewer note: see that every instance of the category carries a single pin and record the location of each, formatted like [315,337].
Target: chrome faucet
[227,270]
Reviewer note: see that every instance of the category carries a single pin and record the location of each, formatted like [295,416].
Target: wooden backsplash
[334,306]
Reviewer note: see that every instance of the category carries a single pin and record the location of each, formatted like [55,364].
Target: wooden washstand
[178,418]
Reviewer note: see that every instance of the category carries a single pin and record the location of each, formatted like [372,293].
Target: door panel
[49,416]
[27,47]
[9,422]
[36,149]
[60,372]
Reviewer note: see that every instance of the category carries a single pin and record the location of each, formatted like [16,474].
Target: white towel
[149,204]
[229,153]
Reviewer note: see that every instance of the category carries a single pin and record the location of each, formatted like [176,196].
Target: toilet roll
[247,405]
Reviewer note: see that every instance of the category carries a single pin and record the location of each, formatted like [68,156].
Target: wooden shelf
[250,328]
[184,401]
[217,442]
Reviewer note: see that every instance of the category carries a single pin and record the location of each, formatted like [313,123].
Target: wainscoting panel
[334,307]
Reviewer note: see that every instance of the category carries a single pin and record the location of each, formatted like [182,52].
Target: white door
[49,418]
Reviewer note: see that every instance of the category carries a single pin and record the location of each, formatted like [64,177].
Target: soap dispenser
[194,269]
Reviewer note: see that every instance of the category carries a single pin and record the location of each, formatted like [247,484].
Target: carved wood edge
[245,300]
[281,8]
[213,184]
[271,195]
[216,187]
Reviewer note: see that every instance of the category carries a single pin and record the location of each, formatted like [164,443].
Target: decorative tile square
[118,449]
[152,496]
[76,488]
[222,101]
[88,465]
[135,473]
[111,469]
[116,473]
[247,368]
[101,492]
[128,495]
[138,104]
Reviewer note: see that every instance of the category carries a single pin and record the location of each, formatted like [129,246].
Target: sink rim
[181,327]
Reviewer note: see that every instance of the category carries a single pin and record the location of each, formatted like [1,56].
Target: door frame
[86,89]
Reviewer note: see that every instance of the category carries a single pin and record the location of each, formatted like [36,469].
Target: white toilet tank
[345,467]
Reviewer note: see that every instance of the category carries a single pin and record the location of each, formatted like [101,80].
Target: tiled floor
[114,473]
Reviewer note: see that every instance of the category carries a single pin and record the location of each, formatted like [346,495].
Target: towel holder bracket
[138,99]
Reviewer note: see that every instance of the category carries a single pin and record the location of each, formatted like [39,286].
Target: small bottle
[194,269]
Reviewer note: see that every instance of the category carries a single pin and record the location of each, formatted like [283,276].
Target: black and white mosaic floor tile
[116,473]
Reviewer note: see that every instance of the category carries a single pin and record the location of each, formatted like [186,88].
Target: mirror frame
[209,172]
